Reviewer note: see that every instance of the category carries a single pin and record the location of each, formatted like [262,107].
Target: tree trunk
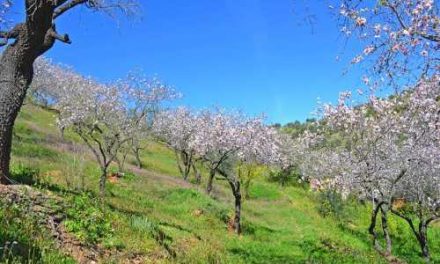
[15,77]
[187,163]
[237,216]
[178,161]
[197,173]
[138,159]
[386,231]
[120,164]
[32,38]
[186,171]
[372,228]
[102,182]
[210,182]
[423,241]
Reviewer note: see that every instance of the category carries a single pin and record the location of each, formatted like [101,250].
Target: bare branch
[127,7]
[69,5]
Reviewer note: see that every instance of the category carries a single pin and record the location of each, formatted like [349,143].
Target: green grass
[23,240]
[156,215]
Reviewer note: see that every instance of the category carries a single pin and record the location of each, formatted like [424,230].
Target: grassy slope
[151,211]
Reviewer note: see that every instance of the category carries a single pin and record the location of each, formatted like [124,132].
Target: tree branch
[63,38]
[67,6]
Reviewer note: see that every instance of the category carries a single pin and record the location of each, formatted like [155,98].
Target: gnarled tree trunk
[137,155]
[15,77]
[32,38]
[386,232]
[237,209]
[422,237]
[234,183]
[379,208]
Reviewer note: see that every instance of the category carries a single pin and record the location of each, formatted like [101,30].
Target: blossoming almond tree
[372,165]
[400,38]
[224,140]
[51,81]
[387,151]
[107,117]
[420,122]
[144,97]
[178,129]
[25,42]
[96,114]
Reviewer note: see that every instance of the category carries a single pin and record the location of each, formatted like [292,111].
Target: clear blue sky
[243,54]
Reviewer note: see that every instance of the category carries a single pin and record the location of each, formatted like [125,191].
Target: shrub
[331,204]
[86,219]
[288,177]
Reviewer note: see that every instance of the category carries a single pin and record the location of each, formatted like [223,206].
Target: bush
[331,204]
[87,220]
[288,177]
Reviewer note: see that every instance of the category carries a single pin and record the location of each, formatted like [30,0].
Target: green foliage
[288,177]
[331,204]
[24,174]
[154,214]
[129,176]
[86,219]
[297,128]
[23,240]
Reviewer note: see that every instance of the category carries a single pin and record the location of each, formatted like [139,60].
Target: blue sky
[242,54]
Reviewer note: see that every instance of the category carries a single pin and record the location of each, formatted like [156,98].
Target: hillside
[153,216]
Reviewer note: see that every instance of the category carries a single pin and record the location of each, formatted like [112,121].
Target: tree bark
[197,173]
[15,77]
[372,228]
[138,159]
[120,164]
[102,182]
[237,216]
[32,39]
[421,233]
[234,183]
[210,182]
[423,241]
[386,232]
[187,164]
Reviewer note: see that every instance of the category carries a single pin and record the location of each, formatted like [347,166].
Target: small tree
[420,189]
[385,150]
[178,128]
[373,161]
[107,117]
[223,141]
[144,97]
[96,114]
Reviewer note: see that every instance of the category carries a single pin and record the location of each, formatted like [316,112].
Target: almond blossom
[383,150]
[394,33]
